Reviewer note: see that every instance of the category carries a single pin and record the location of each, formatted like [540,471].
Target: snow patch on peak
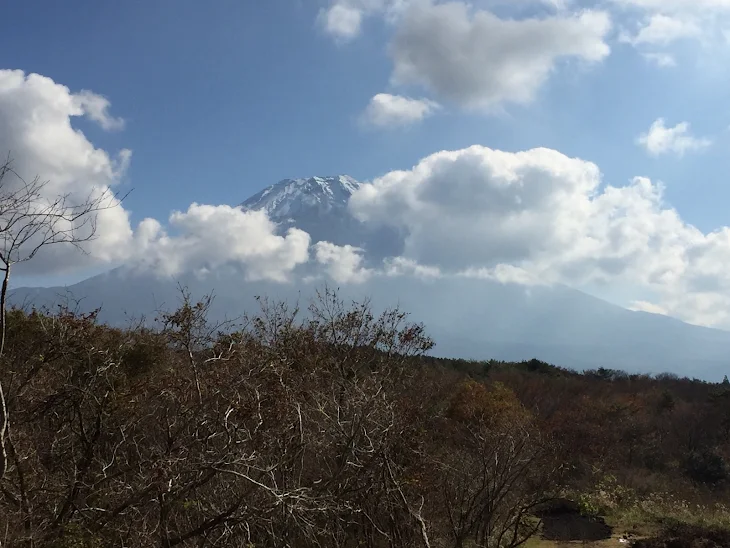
[349,183]
[305,197]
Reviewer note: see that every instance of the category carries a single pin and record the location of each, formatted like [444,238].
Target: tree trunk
[3,402]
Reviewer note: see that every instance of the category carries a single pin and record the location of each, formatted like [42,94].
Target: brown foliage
[325,430]
[316,431]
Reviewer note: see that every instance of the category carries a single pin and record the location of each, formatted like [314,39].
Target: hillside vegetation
[334,429]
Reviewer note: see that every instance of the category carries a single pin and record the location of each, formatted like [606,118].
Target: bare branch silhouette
[31,218]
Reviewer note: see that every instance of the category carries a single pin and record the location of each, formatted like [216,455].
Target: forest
[334,426]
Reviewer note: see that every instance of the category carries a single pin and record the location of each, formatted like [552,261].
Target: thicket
[330,428]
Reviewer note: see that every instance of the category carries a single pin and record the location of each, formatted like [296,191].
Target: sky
[606,121]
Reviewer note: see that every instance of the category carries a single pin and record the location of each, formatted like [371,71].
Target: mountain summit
[318,205]
[297,198]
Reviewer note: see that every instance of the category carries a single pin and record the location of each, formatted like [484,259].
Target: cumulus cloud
[468,55]
[36,129]
[344,264]
[539,216]
[474,58]
[478,206]
[661,139]
[210,237]
[390,111]
[36,116]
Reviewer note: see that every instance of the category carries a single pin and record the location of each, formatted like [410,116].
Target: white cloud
[342,263]
[663,60]
[401,266]
[342,21]
[662,30]
[469,55]
[36,128]
[479,207]
[96,108]
[389,111]
[539,216]
[343,18]
[667,21]
[211,237]
[662,140]
[478,60]
[37,132]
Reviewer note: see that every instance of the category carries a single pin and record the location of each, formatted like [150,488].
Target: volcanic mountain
[468,318]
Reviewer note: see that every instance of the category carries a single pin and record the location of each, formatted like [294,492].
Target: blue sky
[223,98]
[220,99]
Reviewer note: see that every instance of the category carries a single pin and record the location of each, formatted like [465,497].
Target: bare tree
[31,218]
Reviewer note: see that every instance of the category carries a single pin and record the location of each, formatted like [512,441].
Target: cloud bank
[37,130]
[539,216]
[536,216]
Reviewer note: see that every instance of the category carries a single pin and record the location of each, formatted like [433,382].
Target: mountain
[468,318]
[318,205]
[304,199]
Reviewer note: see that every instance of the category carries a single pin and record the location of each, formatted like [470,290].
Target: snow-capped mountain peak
[306,197]
[318,206]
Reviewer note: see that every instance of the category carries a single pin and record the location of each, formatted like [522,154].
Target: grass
[629,512]
[643,517]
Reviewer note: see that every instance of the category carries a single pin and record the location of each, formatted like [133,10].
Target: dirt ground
[612,542]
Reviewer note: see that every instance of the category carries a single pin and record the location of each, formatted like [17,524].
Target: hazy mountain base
[468,318]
